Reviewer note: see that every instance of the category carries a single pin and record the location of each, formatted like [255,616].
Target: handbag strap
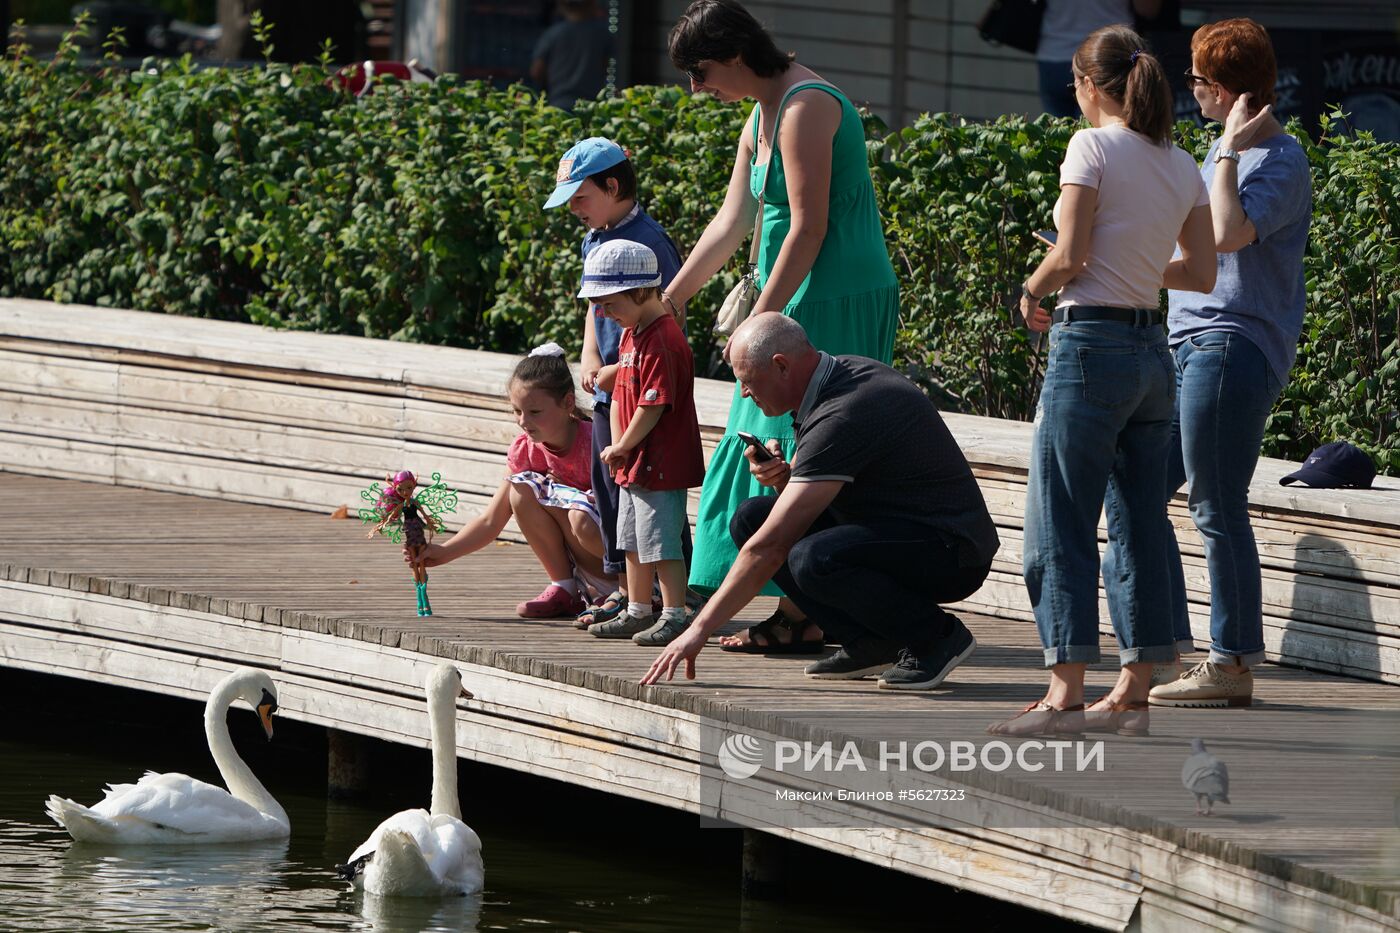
[762,192]
[757,230]
[772,152]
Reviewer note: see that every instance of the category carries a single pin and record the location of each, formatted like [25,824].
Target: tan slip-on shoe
[1206,686]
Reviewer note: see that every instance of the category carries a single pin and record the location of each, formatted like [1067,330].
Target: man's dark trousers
[873,587]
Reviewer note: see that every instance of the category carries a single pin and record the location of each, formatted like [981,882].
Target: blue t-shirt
[638,227]
[1259,291]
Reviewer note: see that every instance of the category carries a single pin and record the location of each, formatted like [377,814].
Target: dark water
[557,858]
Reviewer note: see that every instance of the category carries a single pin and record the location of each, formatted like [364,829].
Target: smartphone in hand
[761,454]
[1048,237]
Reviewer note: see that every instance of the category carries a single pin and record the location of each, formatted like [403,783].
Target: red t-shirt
[655,368]
[572,468]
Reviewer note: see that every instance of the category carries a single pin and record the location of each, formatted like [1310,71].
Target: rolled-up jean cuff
[1157,654]
[1186,646]
[1253,659]
[1071,654]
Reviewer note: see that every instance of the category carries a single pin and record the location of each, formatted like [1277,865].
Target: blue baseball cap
[1336,465]
[589,157]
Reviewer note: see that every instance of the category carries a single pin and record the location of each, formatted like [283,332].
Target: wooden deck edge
[1139,829]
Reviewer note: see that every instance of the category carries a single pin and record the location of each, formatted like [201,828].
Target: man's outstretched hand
[684,648]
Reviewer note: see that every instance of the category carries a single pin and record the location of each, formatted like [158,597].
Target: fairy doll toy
[405,513]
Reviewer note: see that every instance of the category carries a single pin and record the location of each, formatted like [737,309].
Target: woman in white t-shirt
[1128,200]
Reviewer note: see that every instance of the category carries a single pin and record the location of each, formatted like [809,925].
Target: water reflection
[68,885]
[420,915]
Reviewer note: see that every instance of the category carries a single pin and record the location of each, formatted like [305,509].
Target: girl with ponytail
[547,487]
[1128,199]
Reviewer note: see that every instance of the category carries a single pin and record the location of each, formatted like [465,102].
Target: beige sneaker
[1166,673]
[1206,685]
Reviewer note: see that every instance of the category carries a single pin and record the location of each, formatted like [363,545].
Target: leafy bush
[415,214]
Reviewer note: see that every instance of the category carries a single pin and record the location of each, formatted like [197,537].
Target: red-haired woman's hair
[1119,63]
[1238,55]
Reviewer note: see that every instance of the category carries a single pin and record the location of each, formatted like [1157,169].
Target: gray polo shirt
[864,425]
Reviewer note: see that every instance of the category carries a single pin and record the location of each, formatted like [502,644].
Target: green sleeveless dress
[848,303]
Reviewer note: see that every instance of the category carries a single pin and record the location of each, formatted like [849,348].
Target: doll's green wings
[382,512]
[436,499]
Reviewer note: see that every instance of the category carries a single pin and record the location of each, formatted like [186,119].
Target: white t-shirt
[1067,23]
[1145,192]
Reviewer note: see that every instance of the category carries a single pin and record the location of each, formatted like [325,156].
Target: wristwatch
[1026,292]
[1230,154]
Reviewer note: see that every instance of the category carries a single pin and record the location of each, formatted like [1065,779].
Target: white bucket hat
[616,266]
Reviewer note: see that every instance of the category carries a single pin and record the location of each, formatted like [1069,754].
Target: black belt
[1138,317]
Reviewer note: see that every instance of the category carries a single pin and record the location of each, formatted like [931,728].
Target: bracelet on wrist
[1026,292]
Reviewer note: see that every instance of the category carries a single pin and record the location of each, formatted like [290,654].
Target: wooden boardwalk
[165,592]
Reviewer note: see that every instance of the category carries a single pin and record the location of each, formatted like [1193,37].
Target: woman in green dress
[822,258]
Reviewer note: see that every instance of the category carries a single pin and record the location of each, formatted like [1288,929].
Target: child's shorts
[650,522]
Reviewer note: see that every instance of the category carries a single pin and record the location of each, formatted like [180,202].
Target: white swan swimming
[176,808]
[426,853]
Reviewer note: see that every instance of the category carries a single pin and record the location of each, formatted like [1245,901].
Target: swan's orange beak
[265,714]
[467,694]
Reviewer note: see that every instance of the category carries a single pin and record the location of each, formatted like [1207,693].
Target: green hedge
[261,195]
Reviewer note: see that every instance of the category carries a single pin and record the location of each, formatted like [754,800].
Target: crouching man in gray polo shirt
[877,520]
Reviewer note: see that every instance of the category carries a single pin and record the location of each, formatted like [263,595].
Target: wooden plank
[192,632]
[56,457]
[219,343]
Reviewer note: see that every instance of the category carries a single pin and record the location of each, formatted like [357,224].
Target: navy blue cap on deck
[1336,465]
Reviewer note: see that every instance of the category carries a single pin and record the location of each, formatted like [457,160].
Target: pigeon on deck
[1206,777]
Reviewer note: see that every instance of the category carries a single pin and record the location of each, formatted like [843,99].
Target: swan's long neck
[442,726]
[238,778]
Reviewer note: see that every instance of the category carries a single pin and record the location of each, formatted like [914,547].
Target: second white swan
[176,808]
[426,853]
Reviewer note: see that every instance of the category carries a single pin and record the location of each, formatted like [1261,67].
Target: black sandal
[767,630]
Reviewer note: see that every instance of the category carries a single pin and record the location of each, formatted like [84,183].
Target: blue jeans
[1102,430]
[1225,391]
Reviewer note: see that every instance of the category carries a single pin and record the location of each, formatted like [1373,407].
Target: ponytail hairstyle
[1119,63]
[545,368]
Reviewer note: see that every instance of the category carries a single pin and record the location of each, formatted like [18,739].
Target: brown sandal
[1122,718]
[1040,718]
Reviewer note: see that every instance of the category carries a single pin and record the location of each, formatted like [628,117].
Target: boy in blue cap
[597,181]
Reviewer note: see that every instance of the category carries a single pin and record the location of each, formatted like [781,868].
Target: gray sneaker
[923,666]
[665,631]
[855,661]
[624,626]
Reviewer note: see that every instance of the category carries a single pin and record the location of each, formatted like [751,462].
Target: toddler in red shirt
[655,454]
